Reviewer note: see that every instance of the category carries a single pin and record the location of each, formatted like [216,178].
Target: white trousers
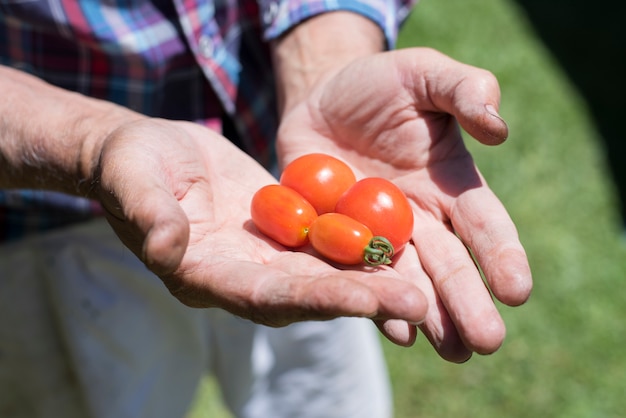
[87,331]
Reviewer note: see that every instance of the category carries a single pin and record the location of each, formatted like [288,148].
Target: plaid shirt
[204,61]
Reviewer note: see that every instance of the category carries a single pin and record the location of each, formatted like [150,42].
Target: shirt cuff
[278,16]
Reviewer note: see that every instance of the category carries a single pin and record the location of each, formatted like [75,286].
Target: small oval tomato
[282,214]
[382,206]
[319,178]
[347,241]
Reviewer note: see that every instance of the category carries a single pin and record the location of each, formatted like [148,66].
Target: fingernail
[498,133]
[492,111]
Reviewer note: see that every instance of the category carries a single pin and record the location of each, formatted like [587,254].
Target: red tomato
[344,240]
[320,178]
[282,214]
[382,206]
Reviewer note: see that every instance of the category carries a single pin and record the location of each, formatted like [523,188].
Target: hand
[178,195]
[395,115]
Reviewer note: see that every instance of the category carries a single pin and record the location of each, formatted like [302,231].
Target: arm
[50,138]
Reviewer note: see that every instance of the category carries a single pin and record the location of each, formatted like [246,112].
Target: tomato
[282,214]
[319,178]
[347,241]
[382,207]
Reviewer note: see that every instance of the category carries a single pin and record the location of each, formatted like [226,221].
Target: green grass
[564,353]
[208,402]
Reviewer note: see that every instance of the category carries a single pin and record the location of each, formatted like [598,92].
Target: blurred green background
[564,355]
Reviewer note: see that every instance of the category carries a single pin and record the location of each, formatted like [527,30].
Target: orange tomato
[382,207]
[319,178]
[282,214]
[347,241]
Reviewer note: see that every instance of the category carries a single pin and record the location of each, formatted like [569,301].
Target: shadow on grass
[589,42]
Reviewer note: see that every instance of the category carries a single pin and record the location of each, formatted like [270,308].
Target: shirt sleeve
[278,16]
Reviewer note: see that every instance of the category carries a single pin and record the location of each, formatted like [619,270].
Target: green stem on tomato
[378,251]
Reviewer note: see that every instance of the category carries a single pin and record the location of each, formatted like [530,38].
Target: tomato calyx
[379,251]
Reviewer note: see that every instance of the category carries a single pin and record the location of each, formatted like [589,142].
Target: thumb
[166,234]
[151,224]
[144,213]
[469,93]
[479,117]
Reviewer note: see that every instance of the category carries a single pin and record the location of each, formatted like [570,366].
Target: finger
[460,288]
[398,332]
[158,238]
[479,115]
[166,235]
[143,211]
[485,226]
[396,298]
[442,333]
[437,325]
[296,287]
[469,93]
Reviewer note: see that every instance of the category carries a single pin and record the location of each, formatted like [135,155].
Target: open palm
[179,195]
[396,115]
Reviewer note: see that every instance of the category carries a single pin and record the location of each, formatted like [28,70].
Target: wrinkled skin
[183,207]
[395,115]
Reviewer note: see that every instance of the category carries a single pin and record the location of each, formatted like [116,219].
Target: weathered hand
[395,115]
[179,195]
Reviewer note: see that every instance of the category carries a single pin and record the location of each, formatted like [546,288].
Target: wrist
[318,48]
[51,137]
[92,132]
